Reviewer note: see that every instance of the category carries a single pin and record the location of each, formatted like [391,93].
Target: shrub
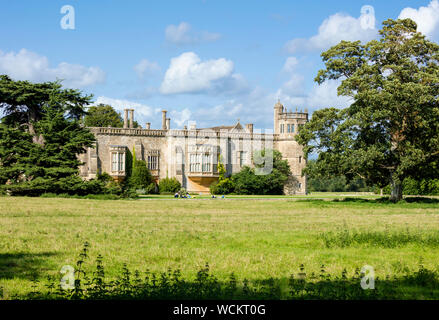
[224,186]
[169,185]
[152,188]
[140,177]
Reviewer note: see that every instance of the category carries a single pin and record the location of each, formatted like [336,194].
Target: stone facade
[191,154]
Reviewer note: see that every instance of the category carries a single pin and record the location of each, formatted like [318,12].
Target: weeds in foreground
[421,284]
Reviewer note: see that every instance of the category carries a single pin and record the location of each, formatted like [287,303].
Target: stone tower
[286,125]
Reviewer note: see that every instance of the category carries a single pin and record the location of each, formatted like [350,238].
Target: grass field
[255,239]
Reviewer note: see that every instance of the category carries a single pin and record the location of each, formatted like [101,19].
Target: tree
[31,168]
[248,182]
[140,178]
[40,138]
[103,115]
[391,130]
[23,102]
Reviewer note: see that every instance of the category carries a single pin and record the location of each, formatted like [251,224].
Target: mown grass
[255,239]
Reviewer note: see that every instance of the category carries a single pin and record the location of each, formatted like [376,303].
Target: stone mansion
[191,154]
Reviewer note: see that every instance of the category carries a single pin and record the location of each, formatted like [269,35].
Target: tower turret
[278,109]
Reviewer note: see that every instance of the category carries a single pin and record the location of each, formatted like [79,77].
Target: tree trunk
[396,193]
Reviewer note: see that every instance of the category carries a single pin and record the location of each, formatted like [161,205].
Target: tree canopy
[391,129]
[40,138]
[103,115]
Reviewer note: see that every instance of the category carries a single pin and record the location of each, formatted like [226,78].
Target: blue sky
[206,61]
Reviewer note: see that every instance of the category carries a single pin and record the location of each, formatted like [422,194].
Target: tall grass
[385,239]
[422,283]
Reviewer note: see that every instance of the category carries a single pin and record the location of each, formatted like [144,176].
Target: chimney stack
[249,127]
[148,125]
[185,127]
[168,123]
[125,118]
[131,118]
[163,119]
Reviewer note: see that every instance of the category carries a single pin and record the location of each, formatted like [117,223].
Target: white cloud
[320,96]
[182,34]
[181,117]
[188,74]
[28,65]
[295,85]
[290,64]
[427,18]
[334,29]
[145,67]
[141,110]
[325,96]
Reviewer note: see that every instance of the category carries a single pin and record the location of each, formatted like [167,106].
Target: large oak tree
[391,129]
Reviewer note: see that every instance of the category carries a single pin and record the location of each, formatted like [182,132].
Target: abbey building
[191,154]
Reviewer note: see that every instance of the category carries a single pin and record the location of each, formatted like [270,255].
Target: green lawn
[255,238]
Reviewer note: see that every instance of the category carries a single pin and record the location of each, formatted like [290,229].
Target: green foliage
[103,115]
[141,177]
[250,181]
[384,239]
[221,170]
[33,168]
[40,138]
[335,183]
[410,186]
[95,284]
[17,154]
[169,185]
[152,188]
[391,130]
[223,186]
[24,102]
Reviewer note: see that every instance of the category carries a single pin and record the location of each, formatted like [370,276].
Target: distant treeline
[343,184]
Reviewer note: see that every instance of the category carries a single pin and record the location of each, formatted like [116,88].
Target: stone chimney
[249,127]
[125,118]
[131,117]
[168,123]
[148,125]
[163,119]
[185,127]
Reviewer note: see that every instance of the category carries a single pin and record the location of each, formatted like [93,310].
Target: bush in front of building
[140,177]
[169,185]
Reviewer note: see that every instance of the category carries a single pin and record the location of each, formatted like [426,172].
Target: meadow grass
[255,239]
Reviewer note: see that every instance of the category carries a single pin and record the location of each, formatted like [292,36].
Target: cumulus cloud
[290,64]
[336,28]
[188,74]
[427,18]
[28,65]
[183,34]
[142,110]
[146,67]
[320,96]
[181,117]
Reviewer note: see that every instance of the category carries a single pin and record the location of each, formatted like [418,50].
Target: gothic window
[207,159]
[114,165]
[195,162]
[153,162]
[117,157]
[292,128]
[242,158]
